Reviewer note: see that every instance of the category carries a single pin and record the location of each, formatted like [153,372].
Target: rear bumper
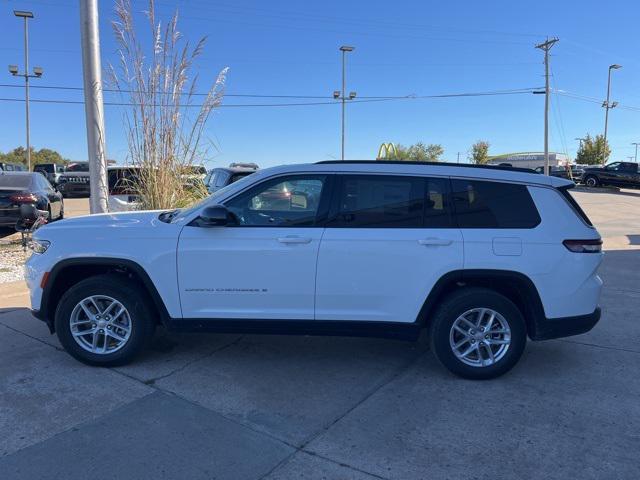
[548,328]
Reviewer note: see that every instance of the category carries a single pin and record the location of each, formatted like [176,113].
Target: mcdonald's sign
[387,151]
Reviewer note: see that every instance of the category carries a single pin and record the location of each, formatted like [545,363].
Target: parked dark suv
[221,177]
[74,182]
[619,174]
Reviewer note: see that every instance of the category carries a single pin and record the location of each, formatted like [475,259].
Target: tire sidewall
[457,305]
[591,181]
[141,323]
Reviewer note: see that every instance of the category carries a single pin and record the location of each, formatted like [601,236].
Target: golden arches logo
[387,151]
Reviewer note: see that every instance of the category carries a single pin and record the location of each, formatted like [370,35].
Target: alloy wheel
[480,337]
[100,324]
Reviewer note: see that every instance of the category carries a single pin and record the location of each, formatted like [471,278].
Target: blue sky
[402,48]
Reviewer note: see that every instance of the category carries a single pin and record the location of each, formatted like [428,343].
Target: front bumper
[549,328]
[71,188]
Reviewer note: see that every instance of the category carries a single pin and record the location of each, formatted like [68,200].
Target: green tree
[480,152]
[593,150]
[44,155]
[420,152]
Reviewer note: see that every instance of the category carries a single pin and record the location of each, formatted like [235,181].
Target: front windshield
[211,199]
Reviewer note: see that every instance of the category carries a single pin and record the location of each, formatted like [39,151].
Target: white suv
[483,257]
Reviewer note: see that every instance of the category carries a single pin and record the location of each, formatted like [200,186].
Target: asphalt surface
[276,407]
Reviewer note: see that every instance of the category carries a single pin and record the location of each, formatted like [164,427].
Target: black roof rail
[445,164]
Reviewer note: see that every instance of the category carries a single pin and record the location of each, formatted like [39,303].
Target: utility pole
[636,144]
[607,106]
[93,106]
[342,96]
[580,140]
[37,73]
[546,46]
[458,157]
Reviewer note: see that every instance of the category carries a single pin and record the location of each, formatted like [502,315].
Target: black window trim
[323,206]
[340,177]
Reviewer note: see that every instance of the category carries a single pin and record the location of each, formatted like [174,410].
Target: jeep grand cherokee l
[481,257]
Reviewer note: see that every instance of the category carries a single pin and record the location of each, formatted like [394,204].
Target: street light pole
[546,46]
[636,144]
[13,69]
[93,106]
[607,105]
[344,49]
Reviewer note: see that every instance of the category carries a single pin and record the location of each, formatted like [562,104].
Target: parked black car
[619,174]
[221,177]
[27,188]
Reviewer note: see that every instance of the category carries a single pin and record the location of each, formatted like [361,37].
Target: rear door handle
[292,239]
[435,242]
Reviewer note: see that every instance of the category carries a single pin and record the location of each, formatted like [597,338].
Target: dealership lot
[231,406]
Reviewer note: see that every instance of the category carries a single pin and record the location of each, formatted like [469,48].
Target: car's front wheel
[478,333]
[101,321]
[591,181]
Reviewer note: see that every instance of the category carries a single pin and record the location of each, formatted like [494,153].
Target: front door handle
[435,242]
[293,239]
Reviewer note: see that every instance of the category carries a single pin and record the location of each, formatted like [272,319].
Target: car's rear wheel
[478,333]
[100,321]
[591,181]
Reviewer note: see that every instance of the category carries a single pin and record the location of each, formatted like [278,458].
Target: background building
[529,159]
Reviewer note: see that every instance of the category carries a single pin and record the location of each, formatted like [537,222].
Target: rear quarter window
[489,204]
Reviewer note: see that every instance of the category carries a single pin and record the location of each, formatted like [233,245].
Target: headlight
[39,246]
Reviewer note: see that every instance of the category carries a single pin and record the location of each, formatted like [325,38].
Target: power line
[514,91]
[585,98]
[297,104]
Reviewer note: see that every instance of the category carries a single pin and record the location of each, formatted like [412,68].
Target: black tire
[61,216]
[462,301]
[50,217]
[128,294]
[591,181]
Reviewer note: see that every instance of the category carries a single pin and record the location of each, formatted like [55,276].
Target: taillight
[23,197]
[583,246]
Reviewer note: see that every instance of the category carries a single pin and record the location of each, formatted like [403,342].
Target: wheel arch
[66,273]
[516,286]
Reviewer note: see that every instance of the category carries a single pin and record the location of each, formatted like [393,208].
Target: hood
[593,169]
[128,220]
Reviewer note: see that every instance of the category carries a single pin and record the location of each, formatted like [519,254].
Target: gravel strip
[12,258]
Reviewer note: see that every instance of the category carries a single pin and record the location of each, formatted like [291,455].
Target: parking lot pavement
[230,406]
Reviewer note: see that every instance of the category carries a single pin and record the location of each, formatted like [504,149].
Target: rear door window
[386,201]
[488,204]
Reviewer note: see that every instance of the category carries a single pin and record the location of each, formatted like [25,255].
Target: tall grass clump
[166,119]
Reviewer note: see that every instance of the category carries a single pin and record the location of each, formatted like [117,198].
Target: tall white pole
[26,89]
[546,46]
[344,83]
[93,106]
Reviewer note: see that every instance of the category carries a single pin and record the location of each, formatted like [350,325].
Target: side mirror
[214,216]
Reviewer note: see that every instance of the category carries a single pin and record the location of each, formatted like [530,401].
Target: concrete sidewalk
[272,407]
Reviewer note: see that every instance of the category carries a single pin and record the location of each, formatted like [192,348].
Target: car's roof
[484,172]
[236,169]
[18,172]
[122,167]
